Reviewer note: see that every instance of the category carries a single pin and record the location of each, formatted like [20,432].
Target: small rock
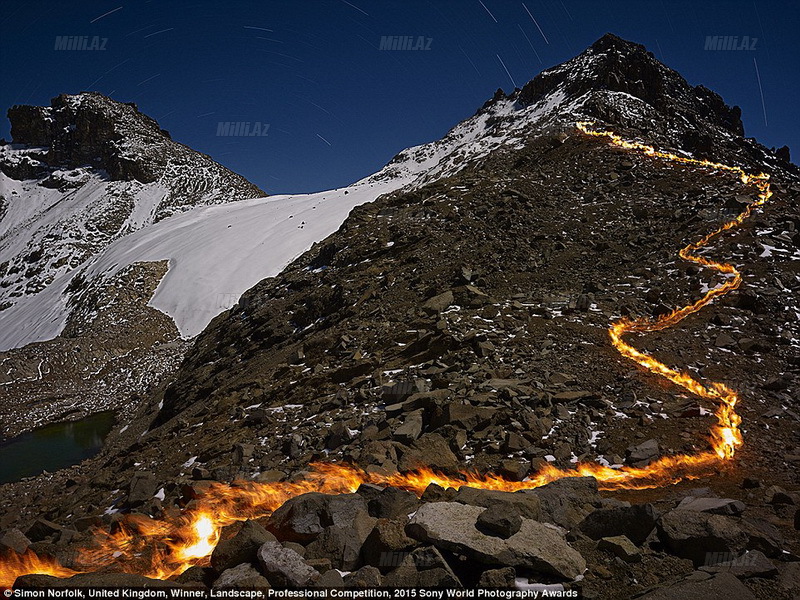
[243,452]
[724,341]
[502,521]
[243,576]
[330,579]
[285,567]
[15,540]
[634,522]
[323,565]
[643,453]
[365,578]
[621,547]
[143,486]
[504,578]
[431,451]
[42,529]
[241,548]
[391,503]
[438,303]
[775,495]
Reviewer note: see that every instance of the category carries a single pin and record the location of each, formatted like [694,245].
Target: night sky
[336,105]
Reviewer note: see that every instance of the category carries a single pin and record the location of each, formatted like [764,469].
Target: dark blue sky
[337,106]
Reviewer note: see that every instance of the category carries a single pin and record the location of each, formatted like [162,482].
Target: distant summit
[91,130]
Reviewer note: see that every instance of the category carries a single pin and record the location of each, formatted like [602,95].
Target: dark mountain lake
[53,446]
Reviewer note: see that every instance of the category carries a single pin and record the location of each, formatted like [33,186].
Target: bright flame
[13,565]
[166,548]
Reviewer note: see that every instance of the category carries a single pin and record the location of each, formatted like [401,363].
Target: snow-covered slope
[217,252]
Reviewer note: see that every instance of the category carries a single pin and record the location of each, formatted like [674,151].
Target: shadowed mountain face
[89,129]
[461,323]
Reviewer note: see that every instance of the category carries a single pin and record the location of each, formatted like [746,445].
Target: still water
[53,446]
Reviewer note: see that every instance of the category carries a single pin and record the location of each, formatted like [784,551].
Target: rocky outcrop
[89,129]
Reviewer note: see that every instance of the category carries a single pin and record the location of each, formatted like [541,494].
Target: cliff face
[89,129]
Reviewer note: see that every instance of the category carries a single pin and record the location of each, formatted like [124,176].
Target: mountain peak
[89,129]
[622,83]
[610,41]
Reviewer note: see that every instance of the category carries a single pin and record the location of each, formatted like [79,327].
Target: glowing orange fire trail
[166,548]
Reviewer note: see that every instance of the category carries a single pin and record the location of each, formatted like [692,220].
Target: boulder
[241,548]
[502,521]
[410,429]
[15,540]
[763,536]
[387,545]
[142,487]
[342,543]
[634,522]
[565,502]
[723,585]
[696,535]
[285,567]
[423,567]
[431,451]
[536,546]
[41,530]
[244,576]
[750,564]
[303,518]
[717,506]
[525,503]
[393,503]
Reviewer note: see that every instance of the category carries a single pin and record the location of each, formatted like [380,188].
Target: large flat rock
[537,547]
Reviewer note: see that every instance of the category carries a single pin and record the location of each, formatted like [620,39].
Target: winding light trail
[165,548]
